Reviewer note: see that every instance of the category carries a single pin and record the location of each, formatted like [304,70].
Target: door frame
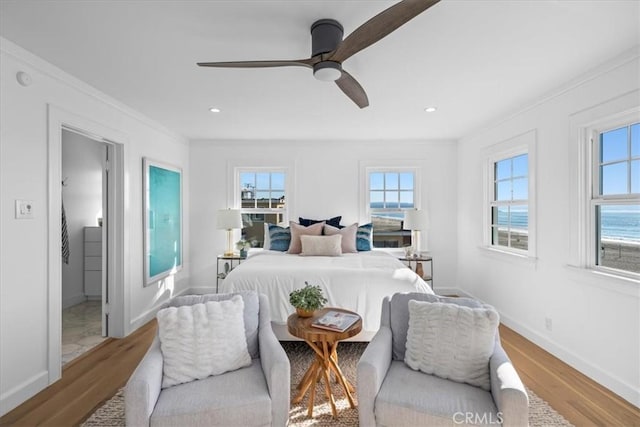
[58,119]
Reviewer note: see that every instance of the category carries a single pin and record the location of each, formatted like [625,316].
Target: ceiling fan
[329,50]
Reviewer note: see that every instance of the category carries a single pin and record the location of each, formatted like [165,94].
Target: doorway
[113,253]
[84,244]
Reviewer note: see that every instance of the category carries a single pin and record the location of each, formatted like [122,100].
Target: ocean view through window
[616,198]
[390,193]
[509,205]
[510,196]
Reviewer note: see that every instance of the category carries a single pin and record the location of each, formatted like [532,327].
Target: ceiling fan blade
[261,64]
[352,89]
[380,26]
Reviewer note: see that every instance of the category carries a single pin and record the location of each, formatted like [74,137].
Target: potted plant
[243,246]
[307,300]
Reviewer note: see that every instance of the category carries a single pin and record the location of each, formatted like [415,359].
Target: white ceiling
[475,60]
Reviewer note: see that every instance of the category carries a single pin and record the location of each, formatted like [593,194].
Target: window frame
[494,202]
[367,168]
[236,191]
[509,149]
[623,108]
[257,210]
[593,198]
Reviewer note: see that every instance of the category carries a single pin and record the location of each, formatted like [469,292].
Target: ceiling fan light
[327,71]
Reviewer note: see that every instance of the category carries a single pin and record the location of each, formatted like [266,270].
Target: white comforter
[357,282]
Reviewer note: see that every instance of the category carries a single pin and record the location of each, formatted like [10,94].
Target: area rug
[111,413]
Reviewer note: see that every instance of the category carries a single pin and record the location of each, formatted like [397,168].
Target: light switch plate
[24,209]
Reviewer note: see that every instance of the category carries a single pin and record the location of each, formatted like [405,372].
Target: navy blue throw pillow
[334,222]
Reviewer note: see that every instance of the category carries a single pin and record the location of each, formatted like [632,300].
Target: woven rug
[111,413]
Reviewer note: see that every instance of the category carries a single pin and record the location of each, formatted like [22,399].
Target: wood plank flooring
[94,377]
[86,383]
[579,399]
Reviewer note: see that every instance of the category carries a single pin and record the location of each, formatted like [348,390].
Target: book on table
[337,321]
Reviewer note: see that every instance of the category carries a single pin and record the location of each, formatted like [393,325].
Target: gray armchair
[257,395]
[392,394]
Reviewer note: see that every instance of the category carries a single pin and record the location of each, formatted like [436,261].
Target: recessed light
[214,110]
[431,109]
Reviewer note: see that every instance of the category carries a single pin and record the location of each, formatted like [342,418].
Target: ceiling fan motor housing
[326,34]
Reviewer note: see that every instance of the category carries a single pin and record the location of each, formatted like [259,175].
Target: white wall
[82,160]
[24,285]
[326,177]
[595,320]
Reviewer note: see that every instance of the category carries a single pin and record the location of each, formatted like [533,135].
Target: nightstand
[225,264]
[419,267]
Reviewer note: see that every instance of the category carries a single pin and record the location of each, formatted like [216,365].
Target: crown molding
[20,54]
[616,62]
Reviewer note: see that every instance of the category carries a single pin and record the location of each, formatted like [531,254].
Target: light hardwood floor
[94,377]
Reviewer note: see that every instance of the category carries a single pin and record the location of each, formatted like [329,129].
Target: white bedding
[357,282]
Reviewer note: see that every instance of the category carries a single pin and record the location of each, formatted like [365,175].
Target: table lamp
[415,220]
[229,219]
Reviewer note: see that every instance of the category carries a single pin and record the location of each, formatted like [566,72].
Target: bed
[355,281]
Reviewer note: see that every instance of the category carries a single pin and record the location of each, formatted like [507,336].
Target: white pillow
[348,236]
[321,245]
[201,340]
[451,341]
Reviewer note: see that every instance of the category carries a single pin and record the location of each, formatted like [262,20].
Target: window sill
[606,280]
[509,256]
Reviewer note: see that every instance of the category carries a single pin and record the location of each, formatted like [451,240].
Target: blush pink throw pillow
[297,230]
[348,236]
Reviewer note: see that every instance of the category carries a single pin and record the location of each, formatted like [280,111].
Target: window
[390,193]
[510,203]
[615,198]
[262,195]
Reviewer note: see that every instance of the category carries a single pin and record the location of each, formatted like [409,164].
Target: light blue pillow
[364,237]
[279,238]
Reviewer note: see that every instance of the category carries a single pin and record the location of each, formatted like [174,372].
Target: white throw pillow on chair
[451,341]
[201,340]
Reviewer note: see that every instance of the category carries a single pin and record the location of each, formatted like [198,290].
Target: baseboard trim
[150,314]
[602,377]
[17,395]
[451,291]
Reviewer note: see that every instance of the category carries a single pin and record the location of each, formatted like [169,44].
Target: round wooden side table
[324,343]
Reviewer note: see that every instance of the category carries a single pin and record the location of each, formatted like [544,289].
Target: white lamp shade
[228,219]
[414,219]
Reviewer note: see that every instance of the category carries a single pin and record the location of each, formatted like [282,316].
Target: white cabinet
[93,262]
